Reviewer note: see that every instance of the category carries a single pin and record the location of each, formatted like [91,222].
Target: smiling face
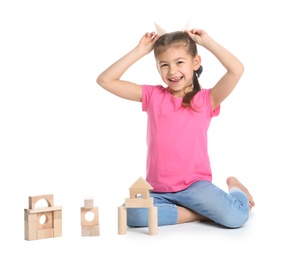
[176,67]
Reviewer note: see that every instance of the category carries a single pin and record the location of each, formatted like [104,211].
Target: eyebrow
[179,58]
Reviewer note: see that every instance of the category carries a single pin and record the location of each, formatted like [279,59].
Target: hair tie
[198,71]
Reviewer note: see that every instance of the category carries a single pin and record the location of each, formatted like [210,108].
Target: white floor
[263,236]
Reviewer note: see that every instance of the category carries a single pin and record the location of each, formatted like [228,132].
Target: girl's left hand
[197,35]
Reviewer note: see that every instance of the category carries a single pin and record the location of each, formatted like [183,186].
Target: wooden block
[153,221]
[30,230]
[34,199]
[29,217]
[95,221]
[138,203]
[88,203]
[122,220]
[142,193]
[48,220]
[95,231]
[140,187]
[57,228]
[45,233]
[57,214]
[90,231]
[86,231]
[43,209]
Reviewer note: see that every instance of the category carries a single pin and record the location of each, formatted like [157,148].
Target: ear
[196,62]
[186,26]
[160,31]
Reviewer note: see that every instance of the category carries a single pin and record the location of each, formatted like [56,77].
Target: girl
[178,166]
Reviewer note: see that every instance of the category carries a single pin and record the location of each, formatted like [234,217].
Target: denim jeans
[226,209]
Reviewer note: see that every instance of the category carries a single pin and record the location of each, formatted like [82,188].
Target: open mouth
[175,80]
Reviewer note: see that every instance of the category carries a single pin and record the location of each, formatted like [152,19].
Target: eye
[163,65]
[180,62]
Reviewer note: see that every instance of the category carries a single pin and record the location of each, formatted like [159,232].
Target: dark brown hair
[180,39]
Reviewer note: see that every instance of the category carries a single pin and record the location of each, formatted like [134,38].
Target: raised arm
[234,68]
[110,79]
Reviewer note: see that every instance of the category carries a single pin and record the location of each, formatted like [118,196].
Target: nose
[172,69]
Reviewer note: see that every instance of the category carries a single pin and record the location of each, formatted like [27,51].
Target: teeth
[174,80]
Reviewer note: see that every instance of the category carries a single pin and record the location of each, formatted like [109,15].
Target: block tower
[90,226]
[139,198]
[42,222]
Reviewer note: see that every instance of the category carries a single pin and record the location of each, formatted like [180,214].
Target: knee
[234,222]
[137,217]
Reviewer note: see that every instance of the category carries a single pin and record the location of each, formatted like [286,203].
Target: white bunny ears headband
[161,31]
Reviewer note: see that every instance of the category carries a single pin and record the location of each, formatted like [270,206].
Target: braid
[186,101]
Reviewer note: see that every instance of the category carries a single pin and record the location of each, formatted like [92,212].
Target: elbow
[100,81]
[241,69]
[104,81]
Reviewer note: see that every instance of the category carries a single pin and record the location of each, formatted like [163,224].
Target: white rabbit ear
[160,31]
[186,27]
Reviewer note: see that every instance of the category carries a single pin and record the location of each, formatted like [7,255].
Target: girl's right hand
[147,41]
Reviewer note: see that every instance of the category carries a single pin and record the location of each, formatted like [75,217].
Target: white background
[62,134]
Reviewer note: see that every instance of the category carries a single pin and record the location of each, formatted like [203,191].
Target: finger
[150,34]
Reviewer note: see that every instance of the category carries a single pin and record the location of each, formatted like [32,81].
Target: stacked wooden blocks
[90,227]
[139,198]
[44,222]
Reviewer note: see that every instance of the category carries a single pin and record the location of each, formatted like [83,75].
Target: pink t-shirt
[177,152]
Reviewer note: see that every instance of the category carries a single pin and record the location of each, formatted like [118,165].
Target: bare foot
[233,182]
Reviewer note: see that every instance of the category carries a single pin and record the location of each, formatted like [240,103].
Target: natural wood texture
[90,227]
[42,222]
[139,198]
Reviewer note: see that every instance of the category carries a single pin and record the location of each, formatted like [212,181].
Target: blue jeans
[226,209]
